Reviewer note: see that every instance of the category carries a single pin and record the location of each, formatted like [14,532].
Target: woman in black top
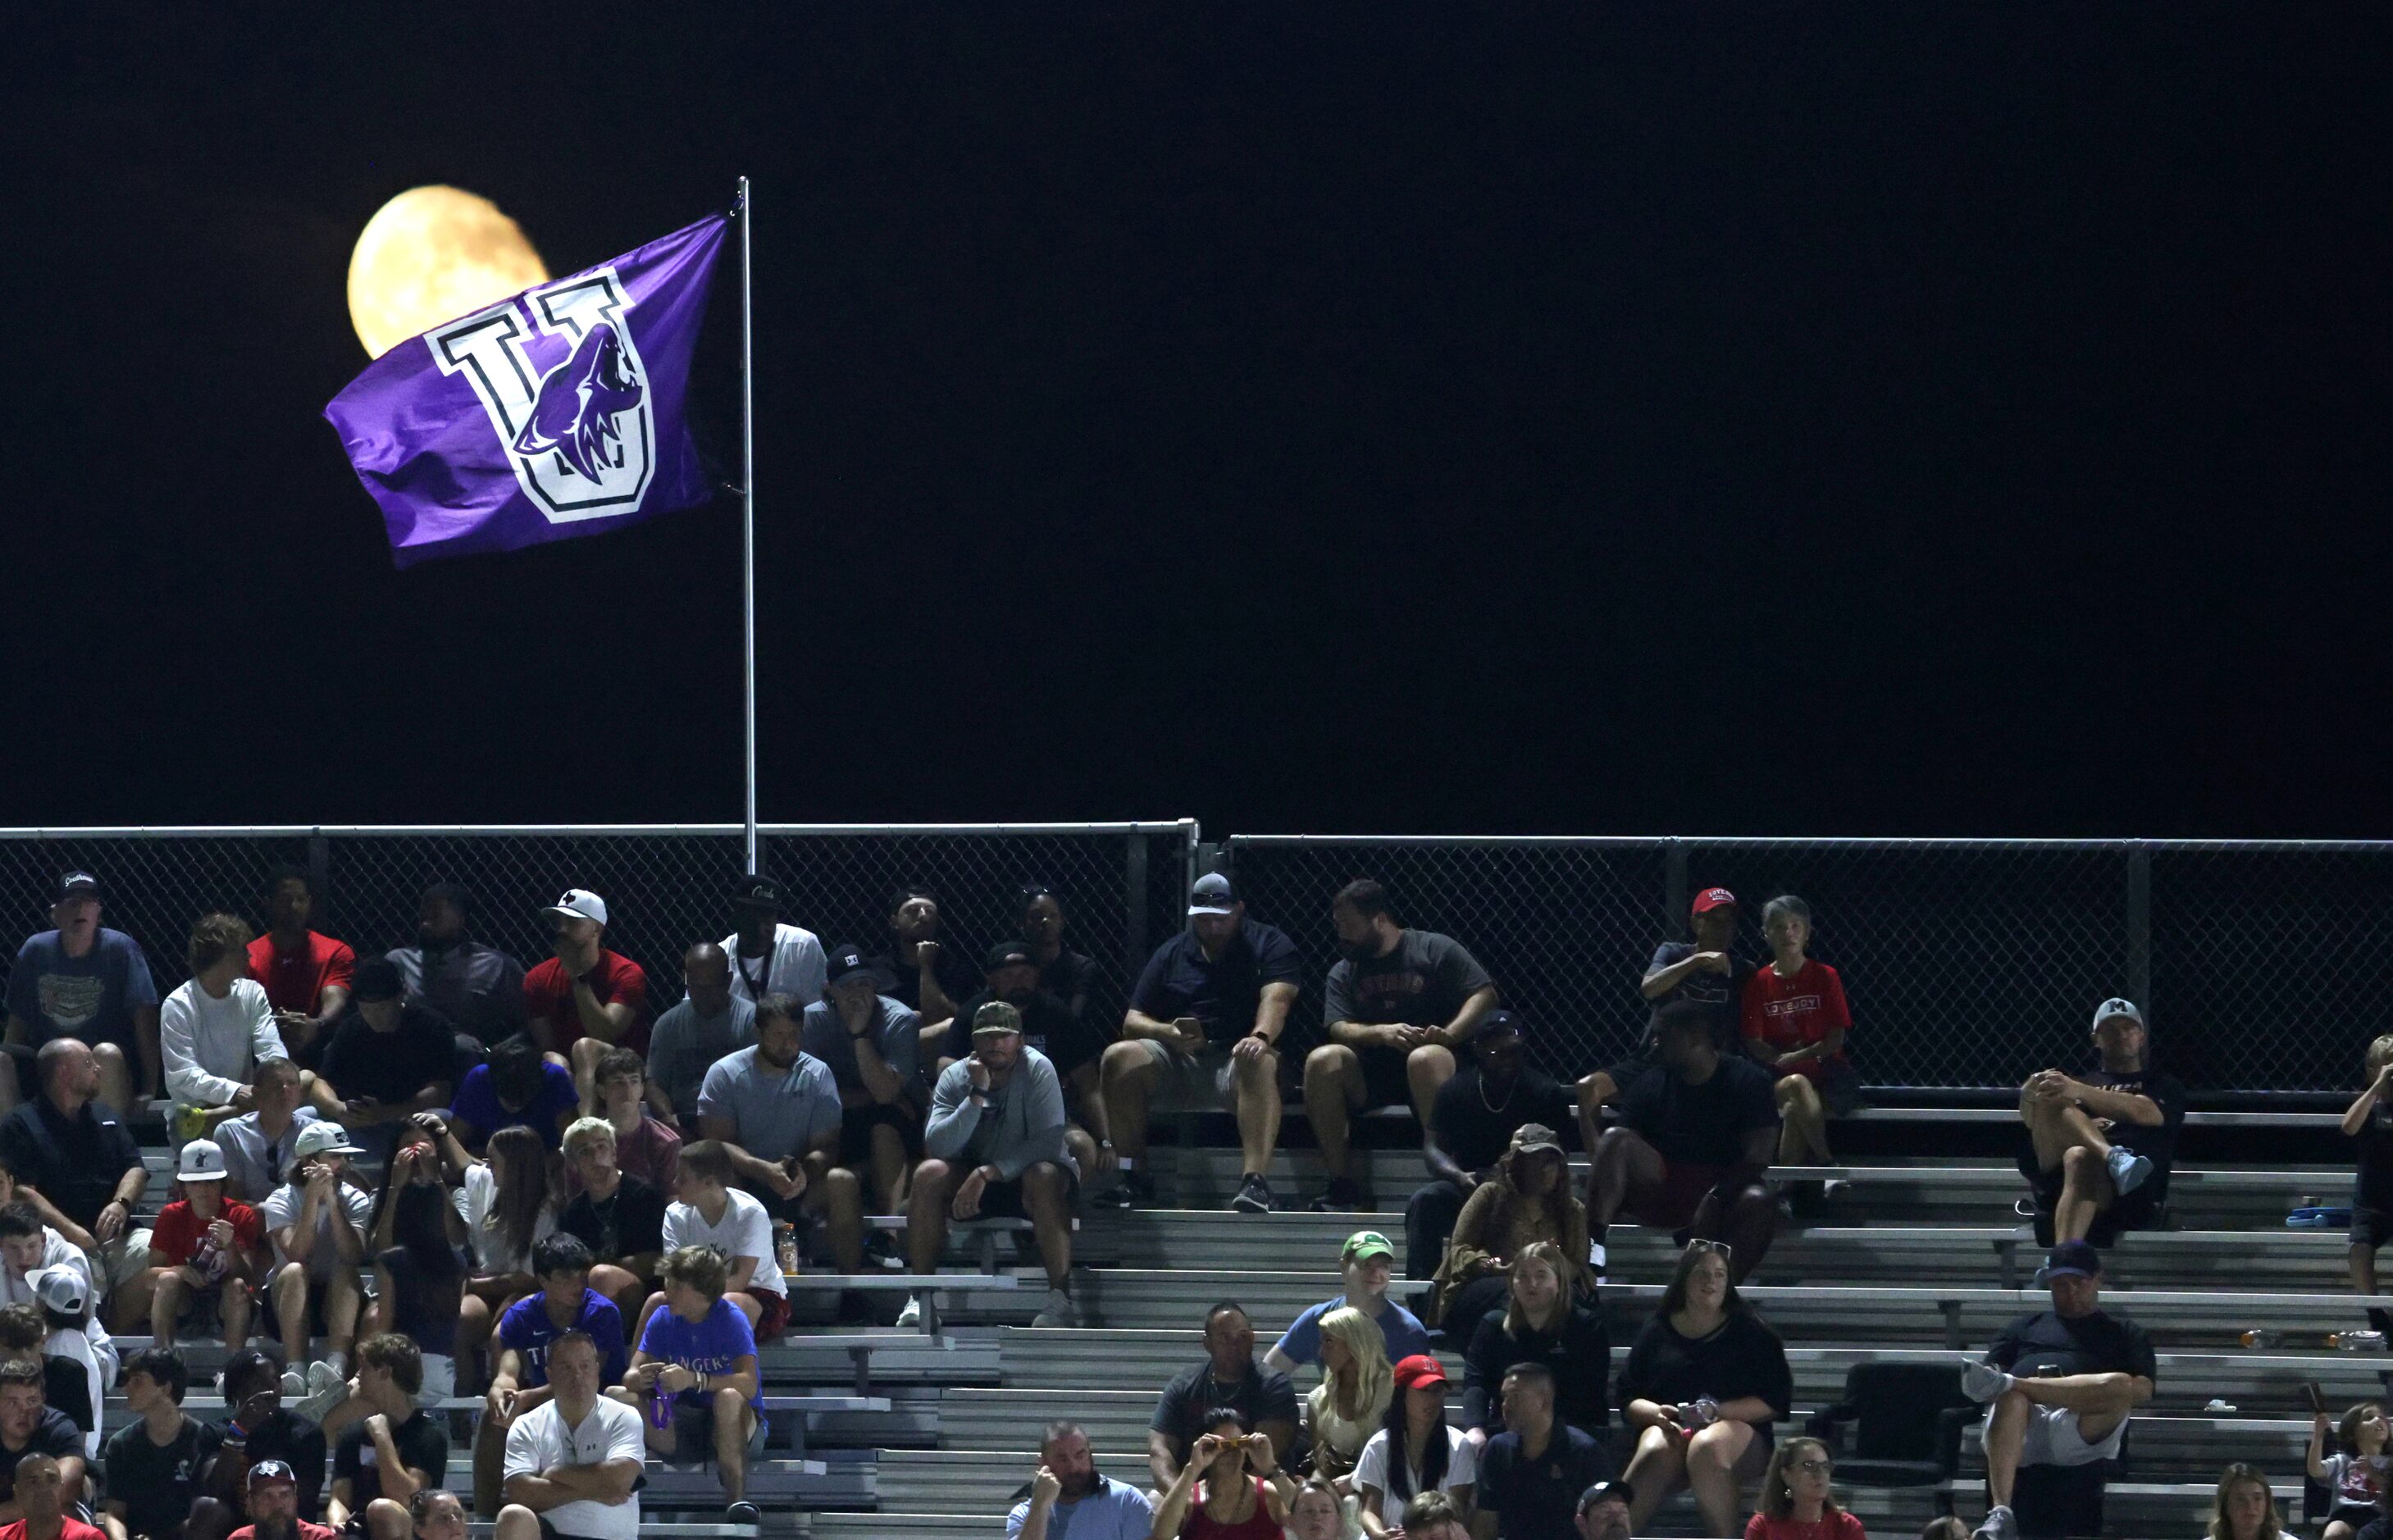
[1703,1383]
[419,1275]
[1539,1323]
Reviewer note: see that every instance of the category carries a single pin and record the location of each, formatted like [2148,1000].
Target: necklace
[1514,1089]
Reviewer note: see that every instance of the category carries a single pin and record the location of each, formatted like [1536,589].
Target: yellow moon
[430,255]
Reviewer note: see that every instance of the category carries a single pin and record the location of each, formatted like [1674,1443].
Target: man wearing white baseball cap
[205,1250]
[586,998]
[2100,1148]
[64,1294]
[318,1219]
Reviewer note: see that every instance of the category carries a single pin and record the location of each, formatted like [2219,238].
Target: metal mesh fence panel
[665,887]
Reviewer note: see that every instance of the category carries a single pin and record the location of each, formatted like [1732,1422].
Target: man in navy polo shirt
[1205,1020]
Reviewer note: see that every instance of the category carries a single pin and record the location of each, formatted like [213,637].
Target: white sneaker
[910,1318]
[326,1390]
[2128,1170]
[1060,1310]
[1983,1382]
[2000,1524]
[294,1384]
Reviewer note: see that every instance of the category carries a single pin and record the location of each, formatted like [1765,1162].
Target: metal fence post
[2140,925]
[319,871]
[1674,885]
[1135,905]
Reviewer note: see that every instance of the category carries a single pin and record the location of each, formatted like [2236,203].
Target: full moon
[430,255]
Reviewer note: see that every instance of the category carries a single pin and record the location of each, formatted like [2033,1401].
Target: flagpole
[748,511]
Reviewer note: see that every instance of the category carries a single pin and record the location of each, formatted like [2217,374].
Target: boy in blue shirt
[519,1376]
[694,1376]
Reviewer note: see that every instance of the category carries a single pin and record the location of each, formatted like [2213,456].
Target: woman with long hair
[1320,1511]
[1413,1452]
[2245,1508]
[1702,1385]
[1345,1409]
[1542,1322]
[510,1202]
[1529,1200]
[1232,1487]
[419,1276]
[2356,1473]
[1796,1501]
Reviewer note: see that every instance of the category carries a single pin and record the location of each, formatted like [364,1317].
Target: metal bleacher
[1919,1256]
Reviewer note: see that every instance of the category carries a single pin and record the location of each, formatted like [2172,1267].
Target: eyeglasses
[1815,1467]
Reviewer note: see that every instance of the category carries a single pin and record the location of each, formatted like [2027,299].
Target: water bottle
[660,1407]
[785,1247]
[2261,1336]
[2360,1341]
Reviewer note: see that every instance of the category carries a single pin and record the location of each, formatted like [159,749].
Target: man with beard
[1047,1024]
[714,1020]
[1068,1495]
[42,1502]
[767,957]
[774,1109]
[588,996]
[477,989]
[870,1044]
[80,980]
[1603,1511]
[274,1507]
[1470,1129]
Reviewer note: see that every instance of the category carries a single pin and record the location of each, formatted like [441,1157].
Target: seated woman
[2245,1508]
[510,1204]
[1320,1511]
[1703,1383]
[1413,1452]
[1346,1408]
[1796,1501]
[1541,1323]
[1528,1200]
[419,1278]
[1215,1497]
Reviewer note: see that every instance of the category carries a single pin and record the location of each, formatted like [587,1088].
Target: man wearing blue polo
[1367,1258]
[1070,1500]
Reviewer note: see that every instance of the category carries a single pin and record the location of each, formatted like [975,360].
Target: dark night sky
[1732,419]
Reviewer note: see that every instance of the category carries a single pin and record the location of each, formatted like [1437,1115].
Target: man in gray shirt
[477,989]
[869,1042]
[995,1145]
[259,1143]
[687,1039]
[776,1109]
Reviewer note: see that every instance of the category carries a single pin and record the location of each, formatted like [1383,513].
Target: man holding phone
[1068,1493]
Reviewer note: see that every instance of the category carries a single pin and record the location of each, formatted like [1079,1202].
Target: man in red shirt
[306,975]
[586,998]
[273,1507]
[41,1497]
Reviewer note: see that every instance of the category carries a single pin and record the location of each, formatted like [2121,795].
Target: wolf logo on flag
[560,377]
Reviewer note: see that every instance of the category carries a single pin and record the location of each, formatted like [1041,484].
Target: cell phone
[2313,1395]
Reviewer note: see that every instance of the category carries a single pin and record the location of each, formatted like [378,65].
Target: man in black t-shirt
[1229,1376]
[2062,1382]
[2369,1119]
[153,1462]
[1705,970]
[392,1449]
[256,1428]
[1397,1004]
[1470,1129]
[1204,1023]
[387,1061]
[1695,1134]
[28,1425]
[2098,1149]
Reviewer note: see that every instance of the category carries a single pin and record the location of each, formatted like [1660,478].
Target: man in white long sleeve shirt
[995,1144]
[214,1031]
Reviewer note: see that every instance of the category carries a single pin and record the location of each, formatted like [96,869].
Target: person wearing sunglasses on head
[1796,1501]
[1702,1385]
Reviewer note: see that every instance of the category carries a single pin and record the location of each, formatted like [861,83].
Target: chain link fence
[1122,885]
[1968,963]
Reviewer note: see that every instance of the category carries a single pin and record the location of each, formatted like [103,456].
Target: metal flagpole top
[748,512]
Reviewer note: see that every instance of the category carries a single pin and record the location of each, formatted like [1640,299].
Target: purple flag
[554,413]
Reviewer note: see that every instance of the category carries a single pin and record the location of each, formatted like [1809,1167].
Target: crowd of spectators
[442,1173]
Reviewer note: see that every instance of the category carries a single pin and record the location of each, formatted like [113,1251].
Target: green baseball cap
[1366,1243]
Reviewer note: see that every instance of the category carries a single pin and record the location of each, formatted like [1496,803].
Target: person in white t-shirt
[1413,1452]
[574,1460]
[510,1205]
[318,1221]
[768,958]
[713,1212]
[216,1030]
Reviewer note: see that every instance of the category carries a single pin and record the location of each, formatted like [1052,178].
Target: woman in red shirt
[1234,1505]
[1794,1023]
[1796,1502]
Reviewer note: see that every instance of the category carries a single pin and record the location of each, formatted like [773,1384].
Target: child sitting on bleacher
[2357,1473]
[696,1378]
[204,1252]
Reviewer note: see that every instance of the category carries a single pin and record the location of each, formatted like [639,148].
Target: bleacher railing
[1123,885]
[2262,965]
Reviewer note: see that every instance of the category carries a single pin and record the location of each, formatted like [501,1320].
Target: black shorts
[1840,1086]
[856,1126]
[1003,1200]
[1385,1083]
[2371,1227]
[550,1531]
[2136,1210]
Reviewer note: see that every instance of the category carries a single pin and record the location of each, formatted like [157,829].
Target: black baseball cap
[757,891]
[376,978]
[1008,954]
[1606,1491]
[846,959]
[77,884]
[1496,1023]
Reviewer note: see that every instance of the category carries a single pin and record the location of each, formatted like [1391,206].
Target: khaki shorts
[121,1260]
[1200,1082]
[2053,1438]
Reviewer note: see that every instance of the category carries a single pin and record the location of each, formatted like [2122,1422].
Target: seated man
[920,971]
[306,975]
[2062,1382]
[257,1430]
[774,1110]
[869,1042]
[767,956]
[698,1356]
[1603,1511]
[273,1495]
[619,1218]
[2098,1150]
[80,980]
[257,1145]
[1227,1378]
[1068,1494]
[40,1505]
[475,989]
[1398,1003]
[573,1462]
[71,1151]
[153,1462]
[644,1147]
[318,1221]
[1470,1129]
[393,1450]
[28,1427]
[688,1038]
[584,995]
[527,1332]
[1435,1516]
[1367,1261]
[713,1212]
[1705,970]
[1049,1025]
[66,1380]
[517,1086]
[207,1251]
[216,1029]
[1205,1021]
[386,1062]
[994,1146]
[1531,1475]
[1695,1134]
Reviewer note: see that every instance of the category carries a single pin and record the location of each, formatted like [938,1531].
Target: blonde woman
[1347,1407]
[2244,1508]
[1796,1501]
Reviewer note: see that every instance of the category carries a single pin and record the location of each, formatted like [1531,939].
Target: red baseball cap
[1714,899]
[1419,1370]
